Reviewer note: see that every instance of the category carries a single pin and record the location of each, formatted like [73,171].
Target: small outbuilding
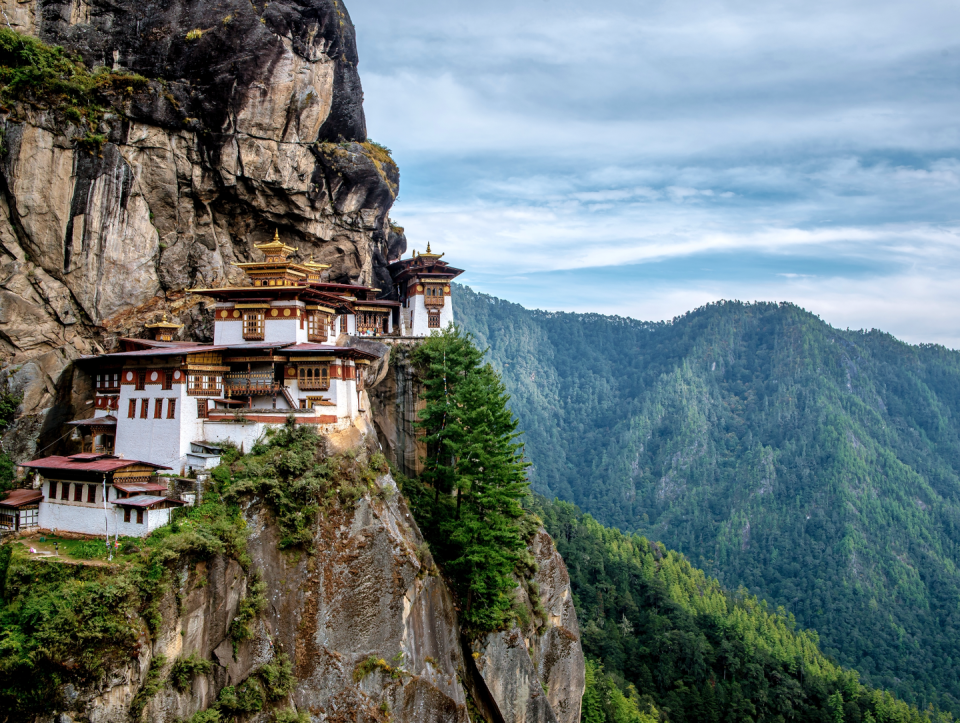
[20,510]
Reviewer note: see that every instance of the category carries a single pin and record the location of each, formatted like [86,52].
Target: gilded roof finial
[276,234]
[428,247]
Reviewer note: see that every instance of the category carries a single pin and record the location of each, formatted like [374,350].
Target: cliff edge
[188,132]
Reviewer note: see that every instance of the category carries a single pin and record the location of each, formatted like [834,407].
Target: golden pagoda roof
[313,265]
[427,254]
[163,324]
[275,247]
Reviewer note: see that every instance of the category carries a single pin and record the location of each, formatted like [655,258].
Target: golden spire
[428,254]
[276,235]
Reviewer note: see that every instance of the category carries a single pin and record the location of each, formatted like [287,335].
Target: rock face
[394,399]
[251,119]
[368,591]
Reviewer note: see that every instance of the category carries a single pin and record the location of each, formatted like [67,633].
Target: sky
[644,158]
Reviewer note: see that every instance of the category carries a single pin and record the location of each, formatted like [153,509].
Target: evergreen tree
[472,450]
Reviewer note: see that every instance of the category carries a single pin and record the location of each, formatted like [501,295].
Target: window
[139,517]
[205,385]
[132,409]
[314,376]
[171,409]
[91,493]
[158,409]
[126,514]
[433,296]
[253,324]
[344,328]
[433,321]
[144,403]
[168,379]
[65,491]
[52,494]
[77,493]
[201,409]
[317,325]
[141,381]
[108,381]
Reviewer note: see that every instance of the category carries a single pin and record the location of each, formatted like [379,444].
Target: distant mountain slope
[815,466]
[673,645]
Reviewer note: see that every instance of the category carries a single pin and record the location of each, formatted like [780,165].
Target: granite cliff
[223,122]
[359,614]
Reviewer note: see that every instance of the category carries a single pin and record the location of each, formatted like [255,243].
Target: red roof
[19,498]
[87,463]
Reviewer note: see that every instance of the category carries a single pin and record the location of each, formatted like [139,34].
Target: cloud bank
[643,158]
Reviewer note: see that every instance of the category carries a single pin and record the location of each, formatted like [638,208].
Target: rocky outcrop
[366,619]
[395,400]
[536,672]
[250,119]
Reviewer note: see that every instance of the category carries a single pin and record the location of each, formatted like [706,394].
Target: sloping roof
[108,420]
[145,501]
[328,349]
[141,487]
[87,463]
[19,498]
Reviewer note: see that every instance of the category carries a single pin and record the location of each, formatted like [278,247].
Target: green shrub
[277,676]
[244,698]
[290,715]
[184,670]
[151,686]
[211,715]
[253,603]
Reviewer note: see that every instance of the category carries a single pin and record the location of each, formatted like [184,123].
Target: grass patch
[74,623]
[291,471]
[36,75]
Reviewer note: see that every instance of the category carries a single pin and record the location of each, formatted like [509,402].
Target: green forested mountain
[665,642]
[817,467]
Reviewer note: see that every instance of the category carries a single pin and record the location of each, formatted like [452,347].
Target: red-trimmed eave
[19,498]
[100,465]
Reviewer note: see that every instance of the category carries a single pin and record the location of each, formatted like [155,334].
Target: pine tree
[490,483]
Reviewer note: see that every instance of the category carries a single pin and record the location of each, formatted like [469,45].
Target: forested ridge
[664,642]
[816,467]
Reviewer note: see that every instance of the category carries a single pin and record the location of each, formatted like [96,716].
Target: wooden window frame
[126,514]
[65,491]
[253,324]
[313,377]
[78,493]
[168,380]
[203,409]
[433,321]
[318,326]
[141,381]
[92,494]
[144,408]
[140,516]
[52,490]
[158,409]
[171,409]
[132,409]
[344,324]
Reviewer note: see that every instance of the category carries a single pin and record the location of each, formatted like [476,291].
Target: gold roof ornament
[163,324]
[429,255]
[313,265]
[275,250]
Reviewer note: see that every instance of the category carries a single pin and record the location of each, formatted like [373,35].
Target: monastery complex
[286,344]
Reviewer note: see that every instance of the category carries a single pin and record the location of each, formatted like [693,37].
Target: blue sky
[643,158]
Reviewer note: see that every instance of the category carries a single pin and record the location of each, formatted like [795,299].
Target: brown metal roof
[19,498]
[145,501]
[87,463]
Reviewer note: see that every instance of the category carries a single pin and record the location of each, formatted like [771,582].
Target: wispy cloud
[686,140]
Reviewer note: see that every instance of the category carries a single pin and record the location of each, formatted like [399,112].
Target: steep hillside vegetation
[667,643]
[815,466]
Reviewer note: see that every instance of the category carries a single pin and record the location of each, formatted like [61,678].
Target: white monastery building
[284,347]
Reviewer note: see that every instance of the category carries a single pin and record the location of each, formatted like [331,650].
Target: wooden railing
[250,383]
